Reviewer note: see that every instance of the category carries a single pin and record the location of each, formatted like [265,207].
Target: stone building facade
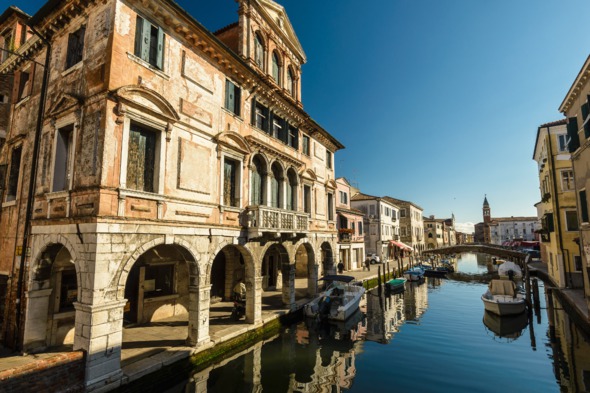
[168,163]
[411,224]
[351,235]
[558,207]
[576,108]
[435,232]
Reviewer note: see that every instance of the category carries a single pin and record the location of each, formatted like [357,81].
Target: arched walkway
[50,321]
[306,272]
[327,258]
[161,302]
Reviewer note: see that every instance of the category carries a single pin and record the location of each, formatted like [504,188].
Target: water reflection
[507,327]
[370,351]
[570,347]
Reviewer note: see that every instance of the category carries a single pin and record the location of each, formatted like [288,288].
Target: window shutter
[284,131]
[160,58]
[72,49]
[269,121]
[229,95]
[237,100]
[572,133]
[583,206]
[253,110]
[584,111]
[138,36]
[296,138]
[145,40]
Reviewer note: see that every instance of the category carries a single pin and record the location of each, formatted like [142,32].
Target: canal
[434,337]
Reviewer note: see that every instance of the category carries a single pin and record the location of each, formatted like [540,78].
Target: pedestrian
[365,263]
[340,267]
[368,262]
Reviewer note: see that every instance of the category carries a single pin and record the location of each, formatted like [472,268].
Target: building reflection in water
[570,346]
[313,356]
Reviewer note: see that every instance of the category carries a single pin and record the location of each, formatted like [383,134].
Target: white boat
[510,270]
[502,298]
[414,274]
[339,301]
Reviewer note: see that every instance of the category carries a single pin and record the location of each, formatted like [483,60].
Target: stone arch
[304,263]
[146,100]
[265,159]
[125,268]
[58,239]
[246,253]
[233,141]
[328,261]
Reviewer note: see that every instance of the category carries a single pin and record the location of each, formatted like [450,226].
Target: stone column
[198,315]
[288,290]
[254,299]
[99,332]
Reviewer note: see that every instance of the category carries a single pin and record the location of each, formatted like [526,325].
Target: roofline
[13,10]
[565,104]
[48,7]
[548,126]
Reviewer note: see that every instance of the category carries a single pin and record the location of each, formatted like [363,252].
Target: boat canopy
[338,277]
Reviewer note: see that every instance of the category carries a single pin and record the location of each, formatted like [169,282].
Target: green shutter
[237,101]
[145,40]
[160,56]
[572,132]
[296,138]
[229,95]
[583,206]
[138,36]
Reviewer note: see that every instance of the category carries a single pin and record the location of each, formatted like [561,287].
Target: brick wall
[61,373]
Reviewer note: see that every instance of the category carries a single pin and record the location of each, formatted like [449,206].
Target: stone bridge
[491,249]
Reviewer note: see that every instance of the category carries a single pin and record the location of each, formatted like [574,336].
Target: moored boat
[502,298]
[339,301]
[510,270]
[396,284]
[438,272]
[414,274]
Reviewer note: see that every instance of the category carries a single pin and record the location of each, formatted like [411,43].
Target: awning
[400,245]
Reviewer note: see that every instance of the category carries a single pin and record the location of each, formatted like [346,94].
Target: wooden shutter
[229,95]
[269,121]
[138,36]
[296,138]
[237,100]
[572,132]
[160,55]
[583,206]
[253,109]
[145,32]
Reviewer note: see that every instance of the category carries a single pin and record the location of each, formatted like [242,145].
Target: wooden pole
[527,284]
[380,289]
[537,304]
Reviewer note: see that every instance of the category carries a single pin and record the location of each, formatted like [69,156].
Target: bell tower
[487,216]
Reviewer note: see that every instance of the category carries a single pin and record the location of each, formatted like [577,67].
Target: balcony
[275,221]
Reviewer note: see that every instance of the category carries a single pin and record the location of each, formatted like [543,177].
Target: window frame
[14,177]
[259,50]
[329,157]
[567,223]
[145,53]
[159,129]
[305,145]
[76,38]
[276,68]
[237,97]
[570,175]
[237,197]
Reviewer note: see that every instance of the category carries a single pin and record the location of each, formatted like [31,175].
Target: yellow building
[558,208]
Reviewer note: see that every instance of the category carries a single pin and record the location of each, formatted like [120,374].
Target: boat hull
[504,305]
[337,308]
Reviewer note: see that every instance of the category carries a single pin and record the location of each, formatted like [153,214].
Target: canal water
[434,337]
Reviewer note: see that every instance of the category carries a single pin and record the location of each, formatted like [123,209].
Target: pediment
[309,174]
[331,183]
[146,100]
[234,141]
[277,17]
[64,102]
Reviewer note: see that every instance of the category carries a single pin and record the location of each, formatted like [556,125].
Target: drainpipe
[32,187]
[558,213]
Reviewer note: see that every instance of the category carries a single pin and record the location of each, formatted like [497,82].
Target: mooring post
[537,304]
[399,268]
[379,280]
[527,284]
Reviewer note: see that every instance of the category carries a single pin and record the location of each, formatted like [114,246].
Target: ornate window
[276,186]
[276,68]
[258,51]
[290,82]
[258,178]
[292,190]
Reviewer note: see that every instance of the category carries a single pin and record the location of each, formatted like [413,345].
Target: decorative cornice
[272,152]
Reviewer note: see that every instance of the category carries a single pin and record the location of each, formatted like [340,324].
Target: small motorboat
[396,285]
[502,298]
[414,274]
[510,270]
[509,327]
[438,272]
[339,301]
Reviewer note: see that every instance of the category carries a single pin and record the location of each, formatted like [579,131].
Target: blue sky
[436,101]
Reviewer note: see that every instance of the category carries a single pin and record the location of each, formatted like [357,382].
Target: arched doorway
[306,272]
[275,272]
[51,315]
[231,265]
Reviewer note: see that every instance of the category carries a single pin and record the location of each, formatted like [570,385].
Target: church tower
[487,216]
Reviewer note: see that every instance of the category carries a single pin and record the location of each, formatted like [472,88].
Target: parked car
[535,254]
[373,258]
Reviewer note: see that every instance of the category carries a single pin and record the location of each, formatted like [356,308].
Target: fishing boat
[414,274]
[510,270]
[502,298]
[339,301]
[396,284]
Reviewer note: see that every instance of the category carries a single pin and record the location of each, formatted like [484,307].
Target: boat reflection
[507,327]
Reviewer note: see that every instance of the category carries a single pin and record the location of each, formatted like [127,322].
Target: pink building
[351,235]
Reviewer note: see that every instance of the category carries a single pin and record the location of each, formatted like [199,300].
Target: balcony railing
[265,219]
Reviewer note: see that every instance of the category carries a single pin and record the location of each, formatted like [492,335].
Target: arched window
[292,190]
[257,181]
[259,51]
[276,186]
[290,82]
[276,68]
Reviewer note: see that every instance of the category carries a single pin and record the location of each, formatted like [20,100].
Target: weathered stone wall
[60,373]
